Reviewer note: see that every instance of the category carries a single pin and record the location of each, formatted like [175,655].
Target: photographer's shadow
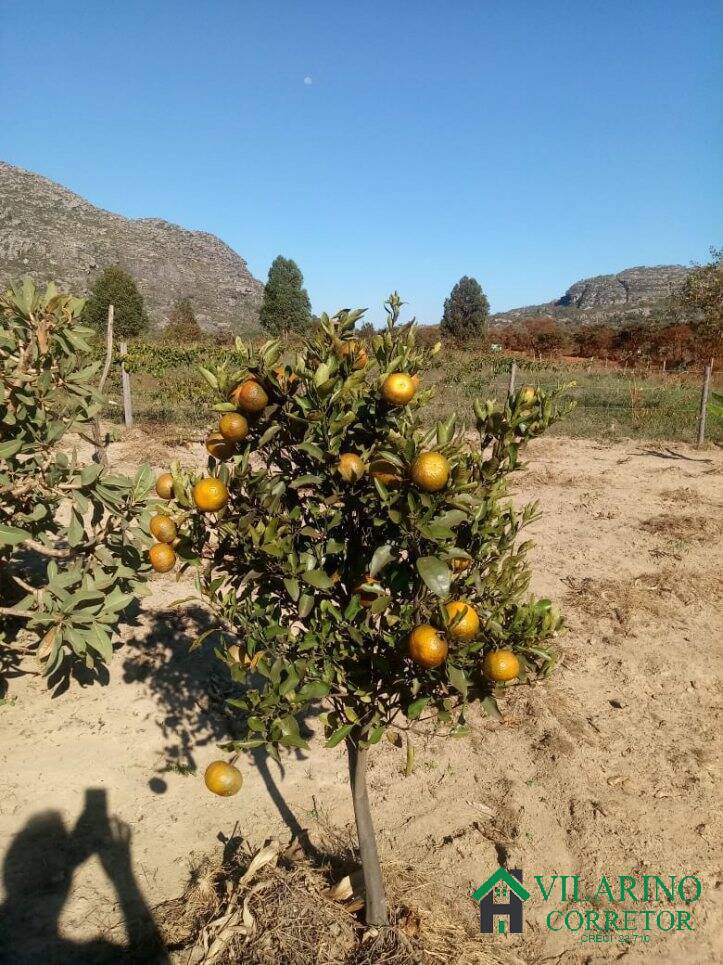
[38,874]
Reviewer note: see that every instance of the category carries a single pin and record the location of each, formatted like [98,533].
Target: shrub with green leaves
[320,567]
[71,537]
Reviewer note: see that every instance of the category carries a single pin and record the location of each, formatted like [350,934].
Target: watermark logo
[619,908]
[501,896]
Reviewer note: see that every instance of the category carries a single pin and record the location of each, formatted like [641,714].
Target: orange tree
[358,558]
[71,541]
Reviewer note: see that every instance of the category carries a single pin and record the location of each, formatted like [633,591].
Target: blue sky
[385,144]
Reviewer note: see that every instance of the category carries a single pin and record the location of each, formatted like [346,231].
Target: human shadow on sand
[38,875]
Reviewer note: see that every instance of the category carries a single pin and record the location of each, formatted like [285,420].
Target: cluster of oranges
[428,647]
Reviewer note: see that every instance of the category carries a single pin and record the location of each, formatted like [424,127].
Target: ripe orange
[527,394]
[386,472]
[233,426]
[210,494]
[162,557]
[501,665]
[164,485]
[430,471]
[219,447]
[223,778]
[398,388]
[163,528]
[358,350]
[351,467]
[250,396]
[459,564]
[426,646]
[468,627]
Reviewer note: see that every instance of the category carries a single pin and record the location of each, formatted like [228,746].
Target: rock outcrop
[52,234]
[608,297]
[634,286]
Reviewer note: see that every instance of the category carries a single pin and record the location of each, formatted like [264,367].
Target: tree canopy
[465,311]
[286,306]
[116,287]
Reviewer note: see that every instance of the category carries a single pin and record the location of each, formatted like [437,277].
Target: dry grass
[686,529]
[644,597]
[280,907]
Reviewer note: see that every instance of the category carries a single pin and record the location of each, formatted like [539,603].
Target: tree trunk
[376,901]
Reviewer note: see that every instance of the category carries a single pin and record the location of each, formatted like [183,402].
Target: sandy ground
[609,767]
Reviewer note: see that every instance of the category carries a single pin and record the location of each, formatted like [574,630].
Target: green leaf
[416,708]
[317,578]
[436,574]
[457,679]
[491,708]
[314,690]
[306,605]
[8,449]
[409,766]
[339,734]
[12,535]
[292,588]
[382,556]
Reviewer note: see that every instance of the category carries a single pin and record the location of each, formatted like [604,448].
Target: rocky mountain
[52,234]
[639,290]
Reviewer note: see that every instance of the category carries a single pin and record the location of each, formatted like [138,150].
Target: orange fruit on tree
[467,626]
[233,426]
[398,388]
[210,494]
[250,396]
[164,485]
[163,528]
[223,778]
[527,395]
[426,646]
[219,447]
[501,665]
[357,349]
[386,472]
[430,471]
[351,467]
[162,557]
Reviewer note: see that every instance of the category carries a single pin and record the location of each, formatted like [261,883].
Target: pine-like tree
[183,325]
[114,286]
[465,311]
[286,306]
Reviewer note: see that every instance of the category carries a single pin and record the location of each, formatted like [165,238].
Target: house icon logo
[501,894]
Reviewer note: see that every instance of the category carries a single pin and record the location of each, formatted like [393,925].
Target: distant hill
[606,297]
[52,234]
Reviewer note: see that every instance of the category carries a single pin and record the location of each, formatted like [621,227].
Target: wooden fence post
[511,385]
[704,403]
[101,453]
[126,385]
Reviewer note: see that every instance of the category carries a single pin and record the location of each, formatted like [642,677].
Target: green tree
[71,534]
[355,557]
[183,325]
[116,287]
[701,301]
[465,311]
[286,306]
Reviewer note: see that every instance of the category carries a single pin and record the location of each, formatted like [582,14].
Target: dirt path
[610,767]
